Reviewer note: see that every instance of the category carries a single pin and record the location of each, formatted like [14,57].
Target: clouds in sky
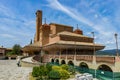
[17,23]
[99,22]
[14,29]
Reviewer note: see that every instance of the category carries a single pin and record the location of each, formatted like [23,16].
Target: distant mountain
[107,52]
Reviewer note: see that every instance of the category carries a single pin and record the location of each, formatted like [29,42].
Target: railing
[70,57]
[56,56]
[108,59]
[84,57]
[63,57]
[51,56]
[89,58]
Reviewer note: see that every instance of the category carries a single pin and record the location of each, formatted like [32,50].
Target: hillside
[107,52]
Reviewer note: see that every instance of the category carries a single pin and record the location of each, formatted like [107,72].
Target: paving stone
[10,71]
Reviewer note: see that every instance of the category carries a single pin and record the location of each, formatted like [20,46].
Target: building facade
[2,52]
[61,44]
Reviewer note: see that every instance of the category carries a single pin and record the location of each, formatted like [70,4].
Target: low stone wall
[28,64]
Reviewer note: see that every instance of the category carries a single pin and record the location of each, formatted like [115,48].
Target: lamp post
[94,57]
[116,44]
[93,43]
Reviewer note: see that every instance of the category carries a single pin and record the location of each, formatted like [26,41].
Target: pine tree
[31,41]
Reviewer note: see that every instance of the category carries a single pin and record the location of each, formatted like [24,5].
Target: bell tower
[38,24]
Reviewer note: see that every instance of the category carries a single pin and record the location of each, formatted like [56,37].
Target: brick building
[2,52]
[52,37]
[61,44]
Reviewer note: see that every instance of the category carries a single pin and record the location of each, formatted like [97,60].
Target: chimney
[38,23]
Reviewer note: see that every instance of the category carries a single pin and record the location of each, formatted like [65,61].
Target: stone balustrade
[89,58]
[51,56]
[84,57]
[63,57]
[70,57]
[56,56]
[108,59]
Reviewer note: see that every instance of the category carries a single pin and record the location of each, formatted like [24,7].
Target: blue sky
[17,19]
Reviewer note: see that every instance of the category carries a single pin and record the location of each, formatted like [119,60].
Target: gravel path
[10,71]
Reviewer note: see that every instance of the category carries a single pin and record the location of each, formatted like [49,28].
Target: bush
[65,67]
[48,67]
[56,68]
[43,71]
[54,74]
[71,69]
[36,71]
[9,53]
[64,74]
[40,72]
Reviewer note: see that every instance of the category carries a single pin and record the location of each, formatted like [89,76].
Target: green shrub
[65,67]
[56,68]
[9,53]
[39,71]
[36,71]
[48,67]
[43,70]
[54,74]
[64,74]
[71,69]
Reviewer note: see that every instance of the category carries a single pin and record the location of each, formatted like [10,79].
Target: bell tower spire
[38,23]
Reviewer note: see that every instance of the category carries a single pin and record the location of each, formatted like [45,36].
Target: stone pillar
[94,64]
[66,57]
[60,55]
[9,58]
[75,55]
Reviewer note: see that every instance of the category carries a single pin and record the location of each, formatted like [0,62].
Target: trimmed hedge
[56,68]
[71,69]
[49,67]
[64,74]
[54,74]
[39,71]
[36,72]
[65,67]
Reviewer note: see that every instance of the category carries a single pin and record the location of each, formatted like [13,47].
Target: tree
[16,49]
[31,41]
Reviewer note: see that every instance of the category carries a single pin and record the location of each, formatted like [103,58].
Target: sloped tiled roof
[71,34]
[59,24]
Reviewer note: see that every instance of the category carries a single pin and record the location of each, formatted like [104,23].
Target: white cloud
[71,12]
[6,11]
[102,25]
[7,36]
[15,28]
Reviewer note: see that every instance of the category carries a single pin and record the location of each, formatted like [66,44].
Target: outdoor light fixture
[116,44]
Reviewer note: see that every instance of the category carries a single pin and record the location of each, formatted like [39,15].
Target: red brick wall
[78,39]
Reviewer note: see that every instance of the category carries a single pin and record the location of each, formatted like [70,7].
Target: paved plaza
[10,71]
